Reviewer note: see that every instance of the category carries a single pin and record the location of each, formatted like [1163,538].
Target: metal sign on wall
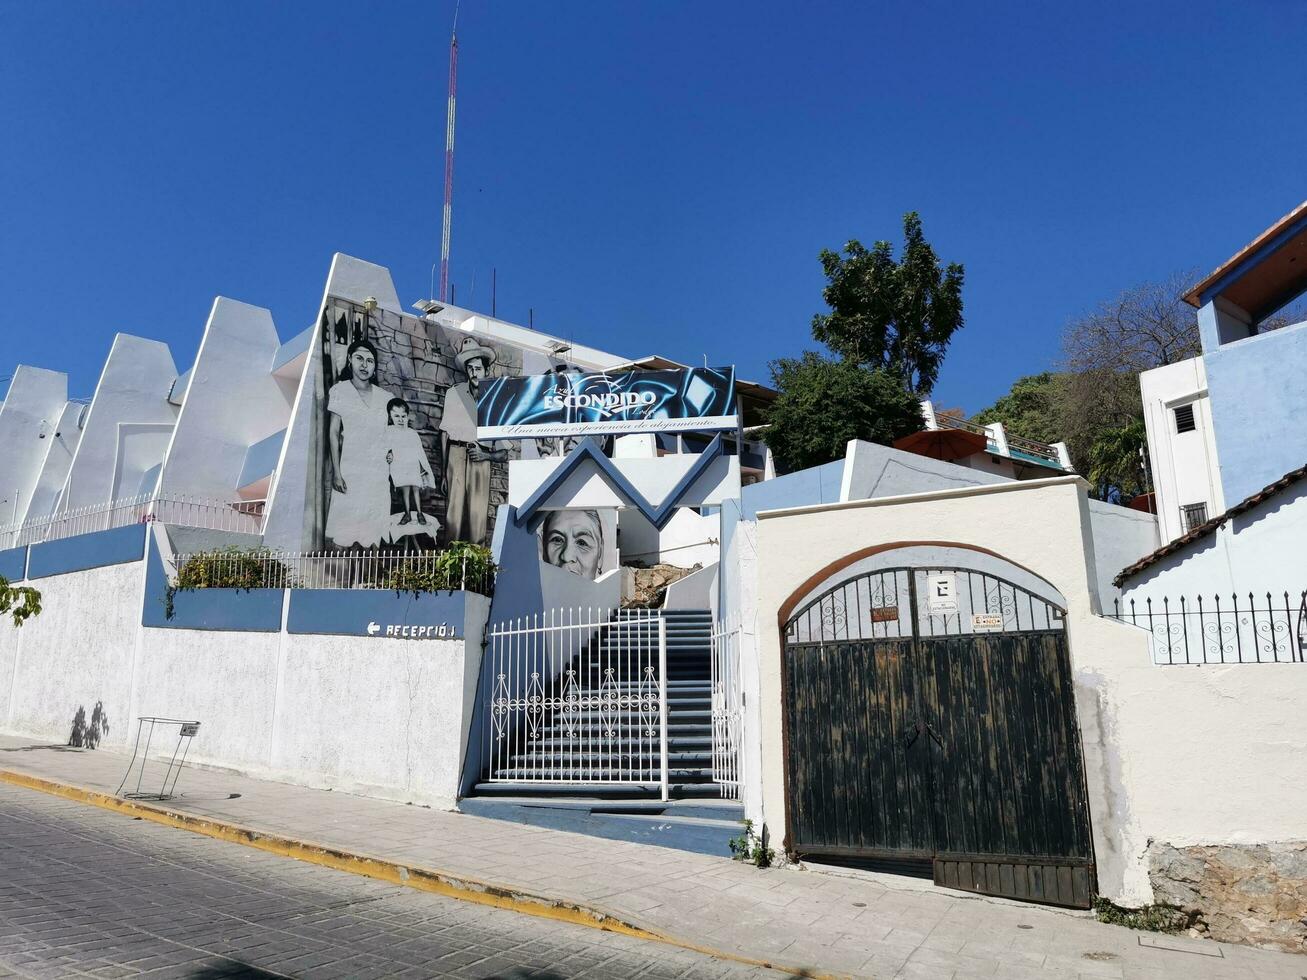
[608,403]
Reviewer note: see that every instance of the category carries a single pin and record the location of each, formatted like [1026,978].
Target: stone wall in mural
[398,464]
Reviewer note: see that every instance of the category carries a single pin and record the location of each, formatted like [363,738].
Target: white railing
[727,709]
[216,515]
[402,571]
[579,696]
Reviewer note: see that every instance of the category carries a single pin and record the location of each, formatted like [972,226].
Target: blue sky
[648,177]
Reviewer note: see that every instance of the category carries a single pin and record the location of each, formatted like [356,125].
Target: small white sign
[942,593]
[986,621]
[406,631]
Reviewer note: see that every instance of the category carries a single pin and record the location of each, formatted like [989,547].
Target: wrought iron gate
[930,724]
[727,708]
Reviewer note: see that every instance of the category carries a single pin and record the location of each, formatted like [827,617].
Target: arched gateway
[929,727]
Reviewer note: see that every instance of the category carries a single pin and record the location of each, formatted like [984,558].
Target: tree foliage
[1093,403]
[824,403]
[1029,410]
[19,602]
[898,315]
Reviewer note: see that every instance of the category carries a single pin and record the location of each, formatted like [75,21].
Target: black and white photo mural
[575,541]
[397,460]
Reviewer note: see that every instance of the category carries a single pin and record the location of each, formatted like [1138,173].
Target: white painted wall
[28,418]
[871,470]
[1183,465]
[79,651]
[1121,537]
[61,445]
[133,388]
[1230,782]
[370,715]
[232,403]
[688,539]
[1258,551]
[141,446]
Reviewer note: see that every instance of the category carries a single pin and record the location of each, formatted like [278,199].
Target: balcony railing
[245,516]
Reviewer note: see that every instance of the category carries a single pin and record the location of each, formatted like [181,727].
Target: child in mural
[467,462]
[409,469]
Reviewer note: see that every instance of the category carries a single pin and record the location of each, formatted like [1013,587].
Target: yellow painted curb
[424,879]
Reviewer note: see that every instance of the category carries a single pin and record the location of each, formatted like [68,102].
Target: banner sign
[607,403]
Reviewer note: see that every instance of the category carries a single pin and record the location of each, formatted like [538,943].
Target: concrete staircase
[696,819]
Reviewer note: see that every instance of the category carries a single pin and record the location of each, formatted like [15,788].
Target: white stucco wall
[133,387]
[1121,536]
[233,402]
[1258,551]
[61,445]
[1183,465]
[380,717]
[30,411]
[1226,781]
[77,652]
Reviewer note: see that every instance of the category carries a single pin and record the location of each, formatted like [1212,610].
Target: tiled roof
[1209,527]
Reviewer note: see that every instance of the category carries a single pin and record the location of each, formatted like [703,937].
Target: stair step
[587,774]
[597,790]
[545,762]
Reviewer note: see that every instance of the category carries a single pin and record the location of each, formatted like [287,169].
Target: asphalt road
[86,892]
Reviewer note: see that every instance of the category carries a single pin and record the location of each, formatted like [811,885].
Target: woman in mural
[359,514]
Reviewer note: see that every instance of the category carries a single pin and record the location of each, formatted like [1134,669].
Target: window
[1191,515]
[1184,418]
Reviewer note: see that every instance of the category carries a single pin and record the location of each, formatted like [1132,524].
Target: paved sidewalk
[818,923]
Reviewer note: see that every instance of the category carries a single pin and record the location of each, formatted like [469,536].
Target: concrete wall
[363,713]
[61,446]
[133,388]
[1144,782]
[881,471]
[1121,537]
[1258,551]
[1183,464]
[77,654]
[1258,404]
[29,418]
[233,402]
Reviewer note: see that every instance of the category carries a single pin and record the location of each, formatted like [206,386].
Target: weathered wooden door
[937,735]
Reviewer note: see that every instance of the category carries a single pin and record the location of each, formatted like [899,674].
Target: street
[85,892]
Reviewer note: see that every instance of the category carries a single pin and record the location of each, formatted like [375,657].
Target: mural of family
[401,468]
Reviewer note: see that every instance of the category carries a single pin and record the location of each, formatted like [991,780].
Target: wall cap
[972,491]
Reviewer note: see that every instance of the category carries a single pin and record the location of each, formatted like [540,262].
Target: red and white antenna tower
[449,161]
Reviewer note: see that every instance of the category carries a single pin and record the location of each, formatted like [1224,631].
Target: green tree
[898,315]
[1029,410]
[1116,461]
[824,403]
[19,602]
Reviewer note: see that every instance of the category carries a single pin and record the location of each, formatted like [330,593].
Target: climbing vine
[19,602]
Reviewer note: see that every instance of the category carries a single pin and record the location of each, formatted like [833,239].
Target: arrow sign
[373,629]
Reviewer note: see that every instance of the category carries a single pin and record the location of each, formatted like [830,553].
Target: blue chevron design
[657,514]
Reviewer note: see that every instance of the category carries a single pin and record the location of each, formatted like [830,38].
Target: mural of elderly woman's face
[574,540]
[362,364]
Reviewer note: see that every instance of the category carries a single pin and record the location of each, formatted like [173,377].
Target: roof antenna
[448,214]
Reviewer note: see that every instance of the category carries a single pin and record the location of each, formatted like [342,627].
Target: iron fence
[216,515]
[402,571]
[1269,628]
[579,696]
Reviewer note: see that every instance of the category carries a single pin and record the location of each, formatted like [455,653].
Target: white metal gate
[579,696]
[727,708]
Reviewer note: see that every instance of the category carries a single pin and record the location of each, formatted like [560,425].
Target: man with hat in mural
[467,463]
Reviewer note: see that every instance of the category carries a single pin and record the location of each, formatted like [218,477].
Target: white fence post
[662,700]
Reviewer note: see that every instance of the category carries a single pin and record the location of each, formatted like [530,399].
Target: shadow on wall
[86,736]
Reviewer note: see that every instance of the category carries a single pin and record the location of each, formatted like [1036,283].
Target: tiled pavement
[826,923]
[87,893]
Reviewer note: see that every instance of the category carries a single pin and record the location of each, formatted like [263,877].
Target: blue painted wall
[350,612]
[1258,391]
[82,551]
[250,611]
[13,563]
[815,485]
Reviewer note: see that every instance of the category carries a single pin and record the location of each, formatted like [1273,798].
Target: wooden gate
[930,728]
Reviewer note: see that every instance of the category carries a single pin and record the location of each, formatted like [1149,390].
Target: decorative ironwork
[894,603]
[1215,630]
[727,709]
